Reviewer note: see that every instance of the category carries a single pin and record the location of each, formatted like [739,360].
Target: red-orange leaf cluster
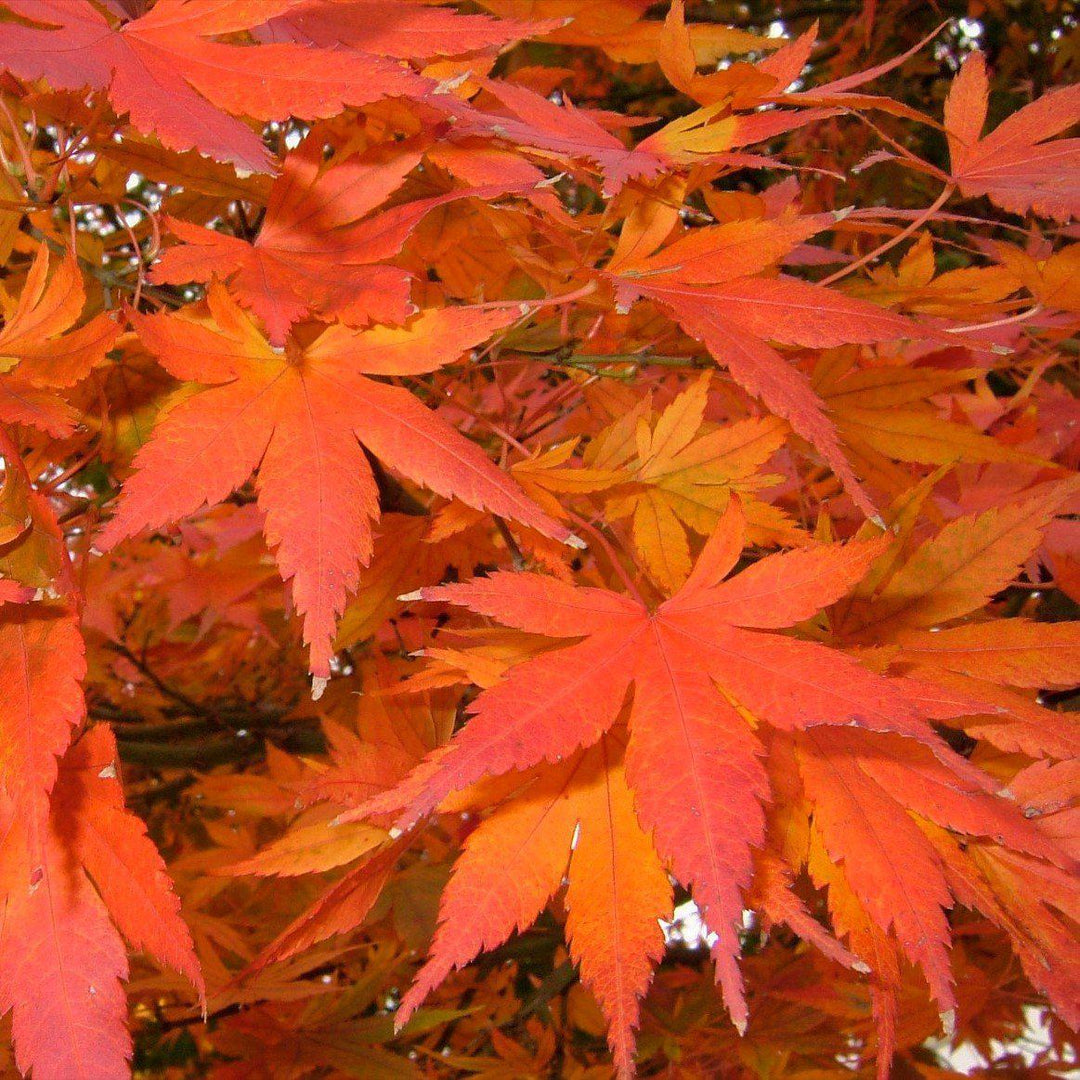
[538,538]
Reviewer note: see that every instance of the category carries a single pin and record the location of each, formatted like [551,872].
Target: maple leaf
[61,963]
[1035,902]
[699,666]
[886,414]
[41,663]
[1012,652]
[373,747]
[380,741]
[862,788]
[747,86]
[316,248]
[685,482]
[39,351]
[173,81]
[676,55]
[706,280]
[617,27]
[954,573]
[1013,165]
[75,864]
[565,131]
[915,284]
[78,876]
[390,28]
[574,821]
[403,560]
[560,131]
[312,253]
[884,824]
[34,563]
[340,909]
[118,856]
[1045,791]
[42,658]
[299,416]
[1052,281]
[312,847]
[910,593]
[219,585]
[856,925]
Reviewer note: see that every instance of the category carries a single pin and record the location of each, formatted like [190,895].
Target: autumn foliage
[538,538]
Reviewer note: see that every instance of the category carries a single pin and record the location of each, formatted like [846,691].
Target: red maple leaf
[1013,165]
[698,666]
[393,28]
[164,70]
[317,245]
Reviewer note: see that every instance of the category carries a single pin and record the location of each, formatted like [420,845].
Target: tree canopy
[539,538]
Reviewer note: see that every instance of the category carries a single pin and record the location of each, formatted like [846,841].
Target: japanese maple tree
[539,538]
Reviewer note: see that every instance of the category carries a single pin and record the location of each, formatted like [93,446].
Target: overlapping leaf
[714,133]
[776,740]
[706,280]
[678,481]
[317,250]
[700,668]
[297,416]
[41,353]
[951,576]
[402,30]
[167,73]
[576,822]
[1014,165]
[81,876]
[76,866]
[862,789]
[885,414]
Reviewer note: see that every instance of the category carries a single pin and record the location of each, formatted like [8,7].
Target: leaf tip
[575,541]
[409,597]
[448,86]
[948,1023]
[318,686]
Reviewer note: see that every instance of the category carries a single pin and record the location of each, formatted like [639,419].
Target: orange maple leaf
[616,886]
[39,351]
[703,675]
[1011,165]
[863,788]
[81,876]
[709,280]
[317,248]
[299,416]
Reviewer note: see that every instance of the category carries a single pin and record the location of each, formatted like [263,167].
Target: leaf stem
[613,557]
[908,230]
